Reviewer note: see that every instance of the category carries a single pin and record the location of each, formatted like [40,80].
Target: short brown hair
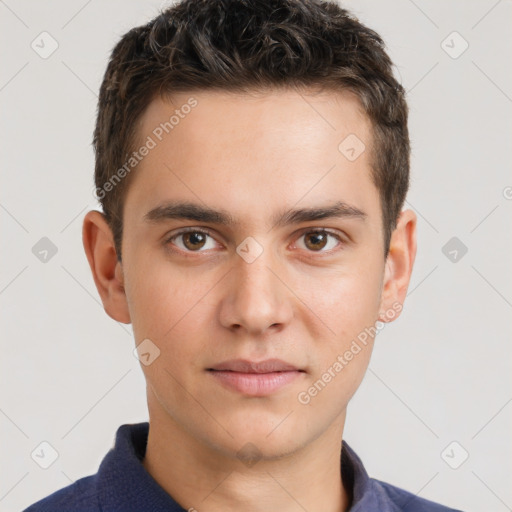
[244,46]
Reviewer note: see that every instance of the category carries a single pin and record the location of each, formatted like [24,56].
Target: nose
[256,297]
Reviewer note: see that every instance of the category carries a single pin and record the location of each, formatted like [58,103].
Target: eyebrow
[184,210]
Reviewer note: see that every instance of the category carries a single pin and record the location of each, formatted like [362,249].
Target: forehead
[208,115]
[255,151]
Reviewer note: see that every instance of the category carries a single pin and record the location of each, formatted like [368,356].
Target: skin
[301,301]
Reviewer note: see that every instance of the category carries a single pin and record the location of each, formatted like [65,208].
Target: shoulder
[406,501]
[79,496]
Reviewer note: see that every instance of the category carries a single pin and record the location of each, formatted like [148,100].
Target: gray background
[439,374]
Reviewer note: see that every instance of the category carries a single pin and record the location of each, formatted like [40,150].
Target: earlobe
[398,267]
[106,269]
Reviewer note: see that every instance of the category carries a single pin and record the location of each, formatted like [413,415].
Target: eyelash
[207,232]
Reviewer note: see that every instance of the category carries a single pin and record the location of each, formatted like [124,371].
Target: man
[252,161]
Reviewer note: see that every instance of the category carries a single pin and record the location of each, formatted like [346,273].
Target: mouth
[244,366]
[255,378]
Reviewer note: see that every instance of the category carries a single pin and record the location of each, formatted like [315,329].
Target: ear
[398,267]
[106,269]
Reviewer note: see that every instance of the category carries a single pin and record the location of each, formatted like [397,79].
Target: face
[237,275]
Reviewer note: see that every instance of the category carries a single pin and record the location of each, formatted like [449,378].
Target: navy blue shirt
[122,484]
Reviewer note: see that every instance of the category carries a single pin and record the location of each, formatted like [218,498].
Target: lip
[255,378]
[245,366]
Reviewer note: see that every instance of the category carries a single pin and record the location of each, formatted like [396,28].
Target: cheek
[346,301]
[166,308]
[170,306]
[343,350]
[151,301]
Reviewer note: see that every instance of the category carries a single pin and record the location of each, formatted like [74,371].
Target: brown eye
[193,240]
[318,241]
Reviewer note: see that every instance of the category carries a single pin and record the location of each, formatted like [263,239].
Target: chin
[260,439]
[256,446]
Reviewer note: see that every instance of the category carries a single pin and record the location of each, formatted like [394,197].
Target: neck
[204,478]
